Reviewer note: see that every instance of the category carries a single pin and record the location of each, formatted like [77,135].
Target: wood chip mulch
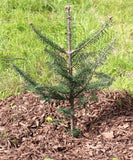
[106,128]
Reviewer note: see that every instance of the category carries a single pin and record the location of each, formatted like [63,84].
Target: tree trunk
[71,99]
[72,114]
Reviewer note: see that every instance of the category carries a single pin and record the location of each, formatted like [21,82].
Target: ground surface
[106,129]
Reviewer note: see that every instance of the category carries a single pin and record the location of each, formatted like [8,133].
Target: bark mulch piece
[106,128]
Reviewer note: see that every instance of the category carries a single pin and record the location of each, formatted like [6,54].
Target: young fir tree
[76,69]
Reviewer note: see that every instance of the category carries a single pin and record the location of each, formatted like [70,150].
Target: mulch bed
[106,128]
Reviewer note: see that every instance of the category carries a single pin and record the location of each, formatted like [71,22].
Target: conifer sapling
[75,67]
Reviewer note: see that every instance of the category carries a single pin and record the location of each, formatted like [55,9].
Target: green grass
[19,41]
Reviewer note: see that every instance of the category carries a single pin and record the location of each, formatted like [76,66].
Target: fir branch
[102,75]
[49,92]
[60,71]
[81,77]
[61,89]
[105,81]
[59,60]
[100,84]
[13,59]
[97,63]
[33,84]
[89,40]
[47,40]
[80,59]
[103,53]
[55,94]
[66,111]
[83,73]
[25,76]
[46,92]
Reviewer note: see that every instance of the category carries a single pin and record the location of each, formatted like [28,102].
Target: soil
[106,128]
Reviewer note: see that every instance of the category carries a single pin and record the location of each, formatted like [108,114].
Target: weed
[4,134]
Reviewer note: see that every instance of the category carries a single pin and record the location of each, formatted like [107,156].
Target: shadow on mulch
[106,128]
